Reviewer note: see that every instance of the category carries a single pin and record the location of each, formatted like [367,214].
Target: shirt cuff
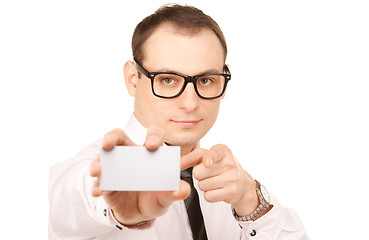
[269,224]
[140,225]
[114,221]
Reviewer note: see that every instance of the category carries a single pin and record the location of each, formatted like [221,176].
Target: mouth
[187,123]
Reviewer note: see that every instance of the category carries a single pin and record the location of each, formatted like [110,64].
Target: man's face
[186,118]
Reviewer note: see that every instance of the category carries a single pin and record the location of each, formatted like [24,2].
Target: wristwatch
[264,199]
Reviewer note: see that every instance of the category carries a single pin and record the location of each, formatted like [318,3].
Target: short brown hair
[185,18]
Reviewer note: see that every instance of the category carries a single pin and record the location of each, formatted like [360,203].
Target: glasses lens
[210,86]
[168,85]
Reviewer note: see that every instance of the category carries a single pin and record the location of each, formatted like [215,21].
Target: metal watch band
[258,211]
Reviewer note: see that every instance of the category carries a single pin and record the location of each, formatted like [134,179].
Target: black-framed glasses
[171,85]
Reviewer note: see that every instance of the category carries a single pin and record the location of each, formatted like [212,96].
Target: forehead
[184,51]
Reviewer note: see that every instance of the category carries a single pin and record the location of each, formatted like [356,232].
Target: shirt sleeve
[73,211]
[279,223]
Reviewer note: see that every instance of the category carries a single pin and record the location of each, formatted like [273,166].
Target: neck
[187,149]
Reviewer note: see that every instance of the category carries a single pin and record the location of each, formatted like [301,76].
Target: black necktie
[193,208]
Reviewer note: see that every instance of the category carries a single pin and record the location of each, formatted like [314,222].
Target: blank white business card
[133,168]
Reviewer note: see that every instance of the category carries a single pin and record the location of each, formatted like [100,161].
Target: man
[178,79]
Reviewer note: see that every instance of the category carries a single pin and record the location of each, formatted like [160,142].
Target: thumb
[183,192]
[193,158]
[154,138]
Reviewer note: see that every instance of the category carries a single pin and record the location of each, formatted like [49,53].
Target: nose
[188,101]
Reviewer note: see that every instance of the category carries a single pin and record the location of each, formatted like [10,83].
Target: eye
[205,81]
[167,81]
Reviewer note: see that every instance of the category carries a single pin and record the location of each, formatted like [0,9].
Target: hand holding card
[150,175]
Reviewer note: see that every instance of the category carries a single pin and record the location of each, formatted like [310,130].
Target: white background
[296,113]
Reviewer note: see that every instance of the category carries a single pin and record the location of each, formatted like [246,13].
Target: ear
[130,77]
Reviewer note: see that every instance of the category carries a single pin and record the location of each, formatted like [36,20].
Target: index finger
[193,158]
[95,167]
[215,154]
[116,137]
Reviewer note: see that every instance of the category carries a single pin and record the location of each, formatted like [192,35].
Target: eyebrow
[209,71]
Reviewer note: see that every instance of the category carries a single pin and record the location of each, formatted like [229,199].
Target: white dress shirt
[75,214]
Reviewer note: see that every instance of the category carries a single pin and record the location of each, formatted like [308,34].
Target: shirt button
[253,233]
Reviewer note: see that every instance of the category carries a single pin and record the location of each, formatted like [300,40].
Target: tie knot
[187,175]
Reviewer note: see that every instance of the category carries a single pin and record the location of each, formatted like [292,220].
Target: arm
[222,178]
[279,223]
[73,211]
[80,209]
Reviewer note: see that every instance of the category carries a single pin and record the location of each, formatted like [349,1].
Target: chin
[183,139]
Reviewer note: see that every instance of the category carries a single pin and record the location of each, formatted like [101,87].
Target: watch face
[265,193]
